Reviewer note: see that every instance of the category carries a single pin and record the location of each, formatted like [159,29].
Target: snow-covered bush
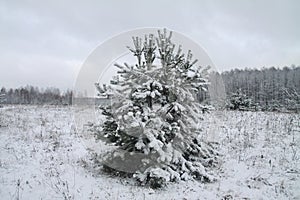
[154,116]
[239,101]
[2,99]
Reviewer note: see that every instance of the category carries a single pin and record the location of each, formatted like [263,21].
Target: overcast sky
[44,43]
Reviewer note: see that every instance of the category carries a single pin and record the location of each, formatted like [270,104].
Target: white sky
[44,43]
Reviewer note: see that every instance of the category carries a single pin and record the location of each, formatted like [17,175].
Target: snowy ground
[43,156]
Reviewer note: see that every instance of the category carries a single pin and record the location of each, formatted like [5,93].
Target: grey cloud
[45,42]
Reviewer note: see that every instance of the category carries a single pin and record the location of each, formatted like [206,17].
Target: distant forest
[35,95]
[270,89]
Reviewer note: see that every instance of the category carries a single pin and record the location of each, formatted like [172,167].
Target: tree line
[266,89]
[35,95]
[270,89]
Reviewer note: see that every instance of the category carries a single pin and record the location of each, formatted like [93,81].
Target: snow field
[43,156]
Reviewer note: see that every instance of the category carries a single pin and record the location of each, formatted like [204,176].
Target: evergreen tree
[2,95]
[239,101]
[154,116]
[2,98]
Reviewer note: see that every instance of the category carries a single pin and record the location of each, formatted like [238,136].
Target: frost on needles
[154,116]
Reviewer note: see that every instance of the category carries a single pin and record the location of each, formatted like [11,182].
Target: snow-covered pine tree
[239,101]
[154,116]
[2,98]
